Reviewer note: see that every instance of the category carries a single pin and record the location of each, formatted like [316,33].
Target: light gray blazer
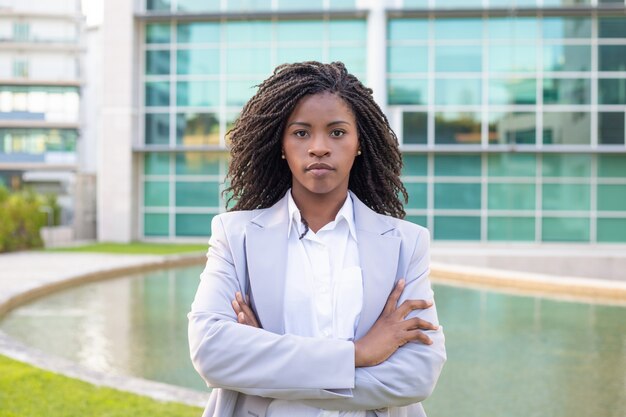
[250,247]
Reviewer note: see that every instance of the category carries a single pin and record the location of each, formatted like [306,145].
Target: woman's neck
[319,209]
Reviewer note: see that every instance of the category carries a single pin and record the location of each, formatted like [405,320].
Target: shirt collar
[345,212]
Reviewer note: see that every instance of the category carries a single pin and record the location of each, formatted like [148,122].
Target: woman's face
[320,143]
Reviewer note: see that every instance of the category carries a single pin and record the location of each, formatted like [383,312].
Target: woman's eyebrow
[299,123]
[337,122]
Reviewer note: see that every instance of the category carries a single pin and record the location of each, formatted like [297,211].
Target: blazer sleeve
[254,361]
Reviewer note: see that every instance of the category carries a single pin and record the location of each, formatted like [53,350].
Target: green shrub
[21,220]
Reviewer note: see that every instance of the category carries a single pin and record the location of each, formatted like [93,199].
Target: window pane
[157,93]
[416,165]
[407,29]
[457,228]
[460,4]
[512,27]
[198,5]
[513,91]
[402,59]
[295,54]
[246,31]
[612,166]
[512,128]
[612,27]
[512,165]
[611,128]
[565,2]
[157,62]
[612,57]
[155,224]
[157,129]
[565,229]
[198,32]
[458,29]
[566,165]
[342,4]
[571,128]
[466,91]
[414,127]
[156,164]
[417,195]
[197,129]
[612,197]
[566,91]
[197,93]
[566,27]
[197,194]
[612,91]
[407,91]
[299,30]
[158,33]
[566,197]
[354,58]
[156,194]
[461,128]
[239,92]
[193,224]
[514,57]
[198,61]
[161,5]
[248,61]
[611,230]
[457,166]
[511,228]
[458,58]
[567,58]
[421,220]
[347,30]
[248,5]
[502,196]
[197,163]
[457,196]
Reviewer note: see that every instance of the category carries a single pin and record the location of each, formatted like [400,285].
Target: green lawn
[137,248]
[26,391]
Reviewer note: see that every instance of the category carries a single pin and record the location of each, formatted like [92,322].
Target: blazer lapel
[379,255]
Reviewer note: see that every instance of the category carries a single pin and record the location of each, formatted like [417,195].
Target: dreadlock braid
[259,177]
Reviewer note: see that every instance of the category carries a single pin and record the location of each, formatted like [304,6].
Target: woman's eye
[300,133]
[337,133]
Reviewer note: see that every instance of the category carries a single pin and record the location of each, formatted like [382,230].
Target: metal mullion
[430,77]
[593,204]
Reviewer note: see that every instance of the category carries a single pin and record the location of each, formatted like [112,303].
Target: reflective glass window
[511,196]
[460,4]
[611,128]
[566,27]
[156,194]
[612,57]
[417,195]
[509,3]
[197,163]
[198,5]
[157,62]
[415,165]
[414,127]
[155,224]
[342,4]
[612,26]
[197,194]
[157,128]
[612,166]
[402,59]
[300,4]
[157,93]
[198,61]
[514,57]
[156,163]
[347,30]
[407,91]
[198,32]
[458,91]
[566,197]
[458,29]
[457,228]
[458,58]
[567,58]
[197,129]
[567,128]
[457,128]
[157,33]
[566,2]
[457,165]
[612,91]
[245,31]
[566,165]
[512,165]
[248,61]
[193,224]
[612,197]
[248,5]
[354,58]
[513,91]
[421,220]
[565,229]
[239,92]
[299,54]
[611,230]
[511,228]
[512,28]
[160,5]
[300,30]
[566,91]
[407,29]
[197,93]
[514,127]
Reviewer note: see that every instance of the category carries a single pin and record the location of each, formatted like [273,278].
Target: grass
[26,391]
[135,248]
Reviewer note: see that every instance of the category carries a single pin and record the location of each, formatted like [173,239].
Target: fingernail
[238,296]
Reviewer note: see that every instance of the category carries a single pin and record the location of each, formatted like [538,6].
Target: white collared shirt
[323,290]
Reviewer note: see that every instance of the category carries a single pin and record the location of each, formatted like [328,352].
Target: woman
[315,299]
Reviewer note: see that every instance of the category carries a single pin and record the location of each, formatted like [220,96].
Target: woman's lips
[319,169]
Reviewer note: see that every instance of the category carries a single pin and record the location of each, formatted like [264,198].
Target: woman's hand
[244,313]
[391,330]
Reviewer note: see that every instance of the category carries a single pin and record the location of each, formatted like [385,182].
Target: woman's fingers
[392,300]
[418,336]
[409,305]
[416,323]
[249,316]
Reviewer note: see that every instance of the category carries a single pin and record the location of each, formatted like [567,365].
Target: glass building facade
[510,115]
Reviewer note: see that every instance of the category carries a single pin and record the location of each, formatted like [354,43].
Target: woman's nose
[319,147]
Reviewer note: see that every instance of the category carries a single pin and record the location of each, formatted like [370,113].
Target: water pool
[507,355]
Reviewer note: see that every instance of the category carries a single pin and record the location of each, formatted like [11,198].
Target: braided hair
[258,175]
